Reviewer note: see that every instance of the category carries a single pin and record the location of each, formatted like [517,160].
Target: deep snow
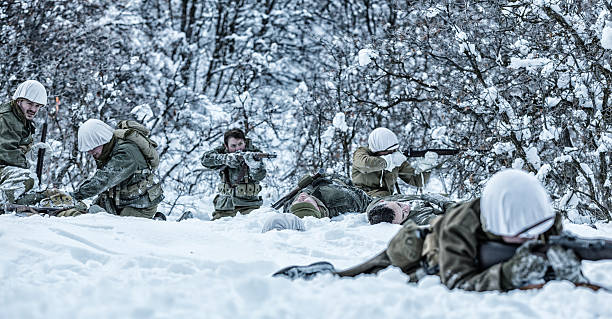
[104,266]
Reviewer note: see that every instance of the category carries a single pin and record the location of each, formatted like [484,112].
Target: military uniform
[423,208]
[124,181]
[239,188]
[334,197]
[15,141]
[369,174]
[451,250]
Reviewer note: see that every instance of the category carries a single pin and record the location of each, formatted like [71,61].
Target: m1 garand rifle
[25,210]
[41,151]
[303,183]
[244,168]
[491,253]
[440,151]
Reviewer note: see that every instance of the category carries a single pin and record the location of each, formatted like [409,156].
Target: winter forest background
[522,84]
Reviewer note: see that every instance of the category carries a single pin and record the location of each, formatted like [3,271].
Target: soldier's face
[235,145]
[28,108]
[400,209]
[305,198]
[96,152]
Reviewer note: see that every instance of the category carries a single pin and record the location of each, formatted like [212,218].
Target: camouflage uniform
[15,141]
[239,188]
[452,248]
[124,181]
[369,174]
[422,212]
[334,197]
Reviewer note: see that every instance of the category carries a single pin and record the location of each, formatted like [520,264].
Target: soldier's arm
[458,257]
[10,153]
[366,163]
[119,168]
[408,175]
[214,159]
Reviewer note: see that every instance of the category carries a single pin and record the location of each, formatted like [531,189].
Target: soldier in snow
[126,159]
[514,209]
[327,197]
[16,130]
[377,167]
[241,169]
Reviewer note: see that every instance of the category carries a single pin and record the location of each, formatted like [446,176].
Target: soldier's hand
[234,160]
[525,266]
[69,213]
[251,160]
[58,199]
[565,264]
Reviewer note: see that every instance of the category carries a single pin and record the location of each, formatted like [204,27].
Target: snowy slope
[104,266]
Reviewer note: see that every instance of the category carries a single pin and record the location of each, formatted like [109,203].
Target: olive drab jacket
[123,176]
[369,174]
[239,187]
[15,135]
[454,243]
[334,197]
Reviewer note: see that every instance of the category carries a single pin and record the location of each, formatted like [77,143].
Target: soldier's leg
[244,210]
[223,213]
[224,206]
[139,212]
[15,182]
[106,203]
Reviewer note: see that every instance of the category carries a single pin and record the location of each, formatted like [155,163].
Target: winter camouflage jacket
[15,135]
[458,234]
[234,180]
[334,197]
[423,208]
[368,173]
[123,175]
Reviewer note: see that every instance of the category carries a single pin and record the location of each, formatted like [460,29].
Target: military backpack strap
[138,134]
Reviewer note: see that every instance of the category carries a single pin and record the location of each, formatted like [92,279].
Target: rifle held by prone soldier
[301,185]
[440,151]
[491,253]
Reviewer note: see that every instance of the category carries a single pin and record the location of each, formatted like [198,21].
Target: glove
[524,267]
[59,199]
[69,213]
[234,160]
[427,163]
[565,264]
[251,161]
[388,162]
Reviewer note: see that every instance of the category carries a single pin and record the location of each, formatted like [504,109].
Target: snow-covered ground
[104,266]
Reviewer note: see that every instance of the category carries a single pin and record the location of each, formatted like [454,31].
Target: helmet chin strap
[528,228]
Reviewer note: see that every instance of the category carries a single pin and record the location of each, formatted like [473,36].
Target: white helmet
[31,90]
[94,133]
[513,201]
[382,139]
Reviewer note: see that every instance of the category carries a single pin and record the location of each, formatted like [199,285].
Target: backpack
[138,134]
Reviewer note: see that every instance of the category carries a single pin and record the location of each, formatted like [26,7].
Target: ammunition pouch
[130,194]
[239,190]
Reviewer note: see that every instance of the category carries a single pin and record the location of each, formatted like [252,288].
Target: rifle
[31,210]
[491,253]
[41,151]
[256,155]
[301,185]
[440,151]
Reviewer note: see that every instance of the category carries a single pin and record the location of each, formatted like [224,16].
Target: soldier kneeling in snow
[126,159]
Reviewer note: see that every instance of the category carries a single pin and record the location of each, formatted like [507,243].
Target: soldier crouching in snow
[16,139]
[240,171]
[126,159]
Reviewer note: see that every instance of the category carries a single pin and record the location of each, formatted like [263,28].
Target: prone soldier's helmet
[382,139]
[94,133]
[31,90]
[514,203]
